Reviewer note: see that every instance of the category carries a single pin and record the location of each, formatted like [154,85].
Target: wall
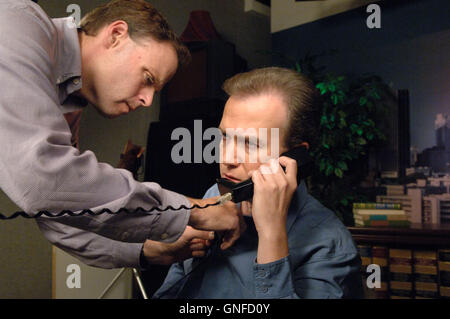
[26,255]
[410,51]
[286,14]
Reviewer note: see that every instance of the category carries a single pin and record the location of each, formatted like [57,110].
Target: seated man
[293,246]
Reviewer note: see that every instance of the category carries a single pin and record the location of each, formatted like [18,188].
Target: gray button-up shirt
[40,66]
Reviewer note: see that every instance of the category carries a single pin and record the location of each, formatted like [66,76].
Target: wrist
[272,232]
[272,238]
[272,246]
[195,218]
[153,252]
[143,263]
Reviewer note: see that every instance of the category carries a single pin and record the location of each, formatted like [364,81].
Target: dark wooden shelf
[415,235]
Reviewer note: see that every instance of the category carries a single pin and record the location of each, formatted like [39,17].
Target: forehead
[266,110]
[160,58]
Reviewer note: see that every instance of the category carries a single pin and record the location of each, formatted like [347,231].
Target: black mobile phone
[244,190]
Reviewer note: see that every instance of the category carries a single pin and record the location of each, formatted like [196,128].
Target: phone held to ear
[239,192]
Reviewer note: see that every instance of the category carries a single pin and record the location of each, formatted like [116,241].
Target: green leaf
[343,166]
[331,87]
[322,87]
[342,123]
[334,98]
[338,172]
[297,67]
[344,202]
[362,100]
[359,131]
[329,170]
[322,165]
[362,141]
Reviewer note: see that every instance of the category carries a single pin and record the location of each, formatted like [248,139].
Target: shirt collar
[68,63]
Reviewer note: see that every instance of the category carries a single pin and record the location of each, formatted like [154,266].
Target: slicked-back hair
[143,21]
[298,92]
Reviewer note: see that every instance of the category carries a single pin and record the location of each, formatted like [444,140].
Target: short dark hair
[299,93]
[143,21]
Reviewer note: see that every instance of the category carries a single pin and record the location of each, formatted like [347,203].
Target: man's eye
[149,80]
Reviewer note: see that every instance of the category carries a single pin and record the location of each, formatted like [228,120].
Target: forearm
[272,246]
[89,248]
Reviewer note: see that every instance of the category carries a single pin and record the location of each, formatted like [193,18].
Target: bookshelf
[414,261]
[434,236]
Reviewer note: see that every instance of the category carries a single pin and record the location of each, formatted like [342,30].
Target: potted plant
[350,128]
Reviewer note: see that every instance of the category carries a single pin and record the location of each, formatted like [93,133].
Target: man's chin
[108,115]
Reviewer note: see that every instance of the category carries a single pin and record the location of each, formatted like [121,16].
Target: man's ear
[305,144]
[116,32]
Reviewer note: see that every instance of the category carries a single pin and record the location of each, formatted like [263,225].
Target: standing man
[123,53]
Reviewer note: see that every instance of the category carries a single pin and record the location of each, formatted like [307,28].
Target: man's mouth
[231,178]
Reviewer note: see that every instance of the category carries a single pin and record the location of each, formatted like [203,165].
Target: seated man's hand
[225,218]
[272,196]
[193,243]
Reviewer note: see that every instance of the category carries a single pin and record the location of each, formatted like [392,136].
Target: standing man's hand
[272,196]
[225,218]
[193,243]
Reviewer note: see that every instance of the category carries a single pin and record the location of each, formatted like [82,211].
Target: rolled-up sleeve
[273,280]
[39,168]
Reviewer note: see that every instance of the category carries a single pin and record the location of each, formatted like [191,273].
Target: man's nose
[146,96]
[229,154]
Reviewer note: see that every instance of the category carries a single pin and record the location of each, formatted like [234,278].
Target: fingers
[231,236]
[273,175]
[291,168]
[246,208]
[192,233]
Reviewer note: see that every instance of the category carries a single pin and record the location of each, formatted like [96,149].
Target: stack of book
[380,256]
[444,273]
[365,252]
[406,273]
[425,274]
[401,279]
[379,214]
[395,189]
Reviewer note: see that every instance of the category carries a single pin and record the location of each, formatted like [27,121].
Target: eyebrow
[246,137]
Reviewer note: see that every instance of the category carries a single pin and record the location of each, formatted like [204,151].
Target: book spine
[400,273]
[426,282]
[376,206]
[444,273]
[385,223]
[444,254]
[380,217]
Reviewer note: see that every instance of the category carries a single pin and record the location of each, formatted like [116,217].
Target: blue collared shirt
[323,261]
